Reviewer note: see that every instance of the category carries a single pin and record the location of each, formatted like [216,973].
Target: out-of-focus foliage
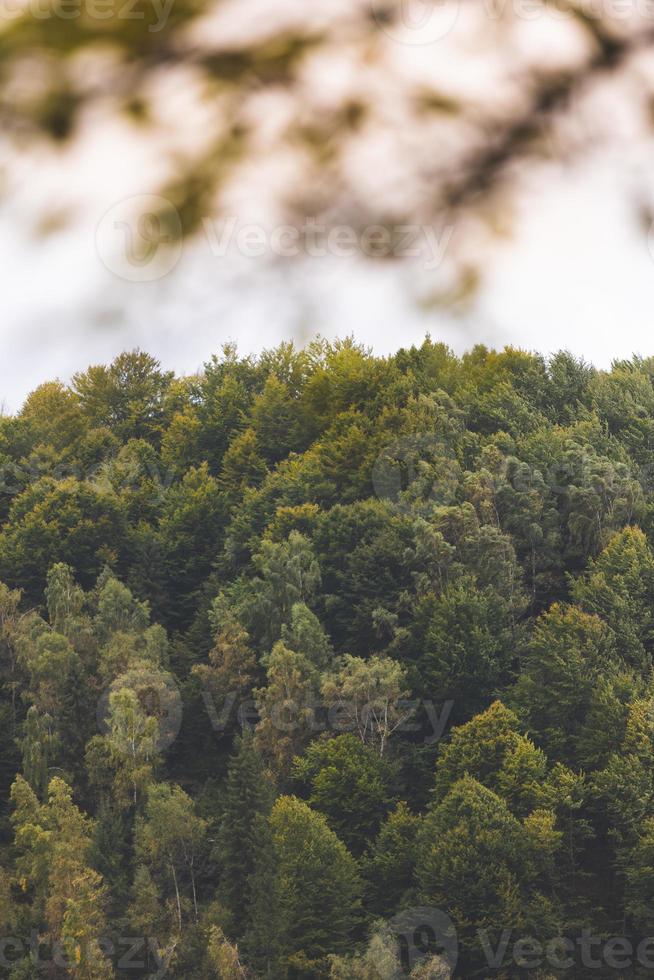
[252,105]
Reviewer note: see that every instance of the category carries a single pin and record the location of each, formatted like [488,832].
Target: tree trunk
[179,904]
[195,900]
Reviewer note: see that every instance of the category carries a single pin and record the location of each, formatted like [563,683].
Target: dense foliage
[316,641]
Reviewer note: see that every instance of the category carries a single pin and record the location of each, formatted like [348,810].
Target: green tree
[380,960]
[39,746]
[229,675]
[263,939]
[53,841]
[111,853]
[319,886]
[169,839]
[619,587]
[55,416]
[367,559]
[469,647]
[388,867]
[288,574]
[243,465]
[131,742]
[248,795]
[191,529]
[370,695]
[224,957]
[639,876]
[287,707]
[117,609]
[60,521]
[568,653]
[180,446]
[481,865]
[66,603]
[306,635]
[492,749]
[350,784]
[128,396]
[275,419]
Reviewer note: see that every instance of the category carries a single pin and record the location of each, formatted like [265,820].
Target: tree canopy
[317,644]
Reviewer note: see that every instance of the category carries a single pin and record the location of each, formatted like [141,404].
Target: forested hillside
[326,665]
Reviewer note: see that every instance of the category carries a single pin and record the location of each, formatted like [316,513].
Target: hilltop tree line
[316,639]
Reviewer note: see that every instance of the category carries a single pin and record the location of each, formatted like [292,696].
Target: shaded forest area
[317,643]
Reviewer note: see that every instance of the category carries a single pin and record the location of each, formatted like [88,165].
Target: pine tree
[389,865]
[262,942]
[110,852]
[248,795]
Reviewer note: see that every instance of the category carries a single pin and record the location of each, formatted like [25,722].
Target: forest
[323,664]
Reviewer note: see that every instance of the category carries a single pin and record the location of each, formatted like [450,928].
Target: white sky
[575,272]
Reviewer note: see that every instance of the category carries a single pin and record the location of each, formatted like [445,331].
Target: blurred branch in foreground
[361,112]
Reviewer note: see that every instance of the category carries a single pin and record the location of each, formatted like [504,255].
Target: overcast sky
[577,273]
[576,270]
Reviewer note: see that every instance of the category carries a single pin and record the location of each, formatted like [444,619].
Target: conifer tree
[248,796]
